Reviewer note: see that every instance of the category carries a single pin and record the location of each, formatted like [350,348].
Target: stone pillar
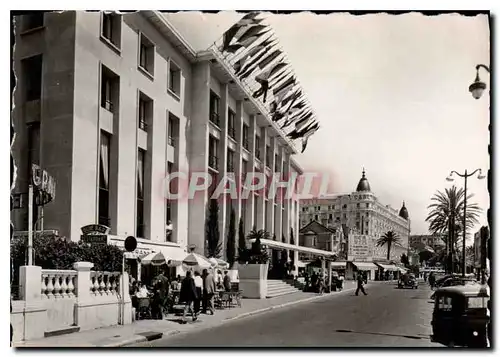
[238,161]
[29,321]
[30,283]
[82,282]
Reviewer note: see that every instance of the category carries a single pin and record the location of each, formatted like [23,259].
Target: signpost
[130,245]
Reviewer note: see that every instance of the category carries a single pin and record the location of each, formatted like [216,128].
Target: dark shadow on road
[384,334]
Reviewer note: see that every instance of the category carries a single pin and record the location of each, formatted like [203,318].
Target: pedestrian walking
[209,288]
[432,280]
[198,283]
[188,296]
[360,280]
[227,281]
[341,282]
[162,286]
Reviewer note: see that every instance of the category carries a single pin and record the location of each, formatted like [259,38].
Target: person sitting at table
[142,292]
[227,281]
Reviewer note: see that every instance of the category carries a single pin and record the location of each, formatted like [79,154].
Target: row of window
[104,186]
[231,131]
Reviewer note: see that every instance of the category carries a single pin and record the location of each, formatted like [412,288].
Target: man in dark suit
[227,281]
[162,284]
[209,289]
[360,279]
[188,296]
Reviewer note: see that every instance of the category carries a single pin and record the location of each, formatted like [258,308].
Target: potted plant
[253,267]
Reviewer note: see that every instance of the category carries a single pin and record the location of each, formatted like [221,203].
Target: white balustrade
[58,284]
[104,283]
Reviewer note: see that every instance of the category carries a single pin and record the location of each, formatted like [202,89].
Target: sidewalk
[146,330]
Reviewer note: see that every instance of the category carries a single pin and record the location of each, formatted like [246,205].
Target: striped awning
[339,265]
[387,267]
[364,265]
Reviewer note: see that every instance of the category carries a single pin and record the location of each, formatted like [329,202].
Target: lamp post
[477,87]
[464,230]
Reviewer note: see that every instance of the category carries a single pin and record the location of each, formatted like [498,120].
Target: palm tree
[258,254]
[446,215]
[390,238]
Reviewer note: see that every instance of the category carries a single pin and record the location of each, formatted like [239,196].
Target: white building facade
[362,214]
[110,104]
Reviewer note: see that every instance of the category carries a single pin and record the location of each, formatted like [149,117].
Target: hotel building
[363,214]
[109,104]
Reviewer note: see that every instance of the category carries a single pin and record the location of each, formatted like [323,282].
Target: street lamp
[477,88]
[465,175]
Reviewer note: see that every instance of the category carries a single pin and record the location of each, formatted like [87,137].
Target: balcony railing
[213,162]
[108,105]
[257,153]
[230,167]
[143,124]
[231,132]
[171,141]
[245,144]
[215,118]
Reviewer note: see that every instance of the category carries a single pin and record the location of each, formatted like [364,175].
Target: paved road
[387,317]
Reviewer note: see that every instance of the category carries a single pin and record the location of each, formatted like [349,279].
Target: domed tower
[403,212]
[363,185]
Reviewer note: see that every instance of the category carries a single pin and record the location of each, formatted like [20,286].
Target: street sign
[95,234]
[43,182]
[95,239]
[130,244]
[95,229]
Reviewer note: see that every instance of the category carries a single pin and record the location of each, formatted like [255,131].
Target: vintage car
[460,316]
[408,281]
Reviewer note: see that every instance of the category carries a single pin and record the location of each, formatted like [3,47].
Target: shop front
[386,271]
[368,268]
[145,248]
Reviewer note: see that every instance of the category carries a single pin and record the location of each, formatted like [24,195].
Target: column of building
[270,198]
[251,201]
[261,199]
[222,151]
[238,169]
[198,142]
[278,202]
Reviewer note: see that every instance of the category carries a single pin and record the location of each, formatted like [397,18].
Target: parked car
[460,316]
[454,280]
[408,281]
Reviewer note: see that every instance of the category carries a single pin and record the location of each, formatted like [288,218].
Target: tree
[242,244]
[446,215]
[390,238]
[258,254]
[292,242]
[214,247]
[284,253]
[404,260]
[231,240]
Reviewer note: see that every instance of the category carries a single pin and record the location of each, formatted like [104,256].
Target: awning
[364,265]
[301,264]
[174,255]
[387,267]
[280,245]
[338,265]
[402,270]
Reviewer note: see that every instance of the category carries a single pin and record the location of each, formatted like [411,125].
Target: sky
[391,95]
